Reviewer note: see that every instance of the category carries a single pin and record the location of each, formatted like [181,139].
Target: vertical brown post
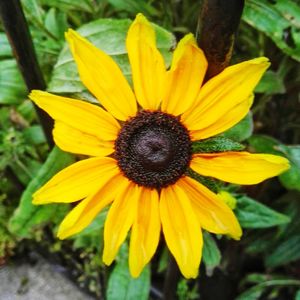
[217,25]
[19,37]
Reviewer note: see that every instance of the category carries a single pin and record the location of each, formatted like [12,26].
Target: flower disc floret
[153,149]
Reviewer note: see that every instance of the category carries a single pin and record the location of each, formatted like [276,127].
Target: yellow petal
[147,64]
[181,230]
[239,167]
[145,232]
[73,140]
[224,92]
[85,212]
[120,218]
[77,181]
[225,121]
[185,77]
[80,115]
[102,76]
[212,213]
[227,198]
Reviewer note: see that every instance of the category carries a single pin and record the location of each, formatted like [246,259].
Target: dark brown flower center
[153,149]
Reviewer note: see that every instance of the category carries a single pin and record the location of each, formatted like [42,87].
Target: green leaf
[240,131]
[109,35]
[291,178]
[284,253]
[5,49]
[297,297]
[28,215]
[33,9]
[65,5]
[216,144]
[121,286]
[255,292]
[271,83]
[211,252]
[252,214]
[92,236]
[264,144]
[279,20]
[56,23]
[34,135]
[209,182]
[134,7]
[12,87]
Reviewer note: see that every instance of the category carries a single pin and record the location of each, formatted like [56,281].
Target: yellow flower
[140,143]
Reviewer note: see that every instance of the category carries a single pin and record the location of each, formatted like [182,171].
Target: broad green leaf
[185,291]
[209,182]
[279,20]
[286,252]
[252,294]
[297,297]
[65,5]
[24,167]
[27,215]
[109,35]
[255,292]
[240,131]
[216,144]
[92,236]
[211,252]
[12,87]
[163,260]
[134,7]
[27,111]
[33,9]
[264,144]
[291,178]
[34,135]
[271,83]
[121,286]
[252,214]
[56,23]
[260,242]
[5,49]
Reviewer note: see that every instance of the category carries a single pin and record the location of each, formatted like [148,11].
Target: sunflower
[140,147]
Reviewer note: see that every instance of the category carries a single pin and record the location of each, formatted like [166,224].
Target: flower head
[140,143]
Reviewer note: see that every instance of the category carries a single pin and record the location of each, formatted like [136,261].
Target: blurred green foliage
[269,212]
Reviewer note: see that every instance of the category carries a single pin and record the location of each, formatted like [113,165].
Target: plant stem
[217,24]
[20,40]
[171,280]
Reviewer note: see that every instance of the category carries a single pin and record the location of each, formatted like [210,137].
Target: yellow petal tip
[36,201]
[60,235]
[141,18]
[70,32]
[34,94]
[107,259]
[188,39]
[264,61]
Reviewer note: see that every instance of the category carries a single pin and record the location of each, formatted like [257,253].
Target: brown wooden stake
[171,280]
[20,40]
[217,25]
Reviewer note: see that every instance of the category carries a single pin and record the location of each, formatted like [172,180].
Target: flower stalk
[217,24]
[18,34]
